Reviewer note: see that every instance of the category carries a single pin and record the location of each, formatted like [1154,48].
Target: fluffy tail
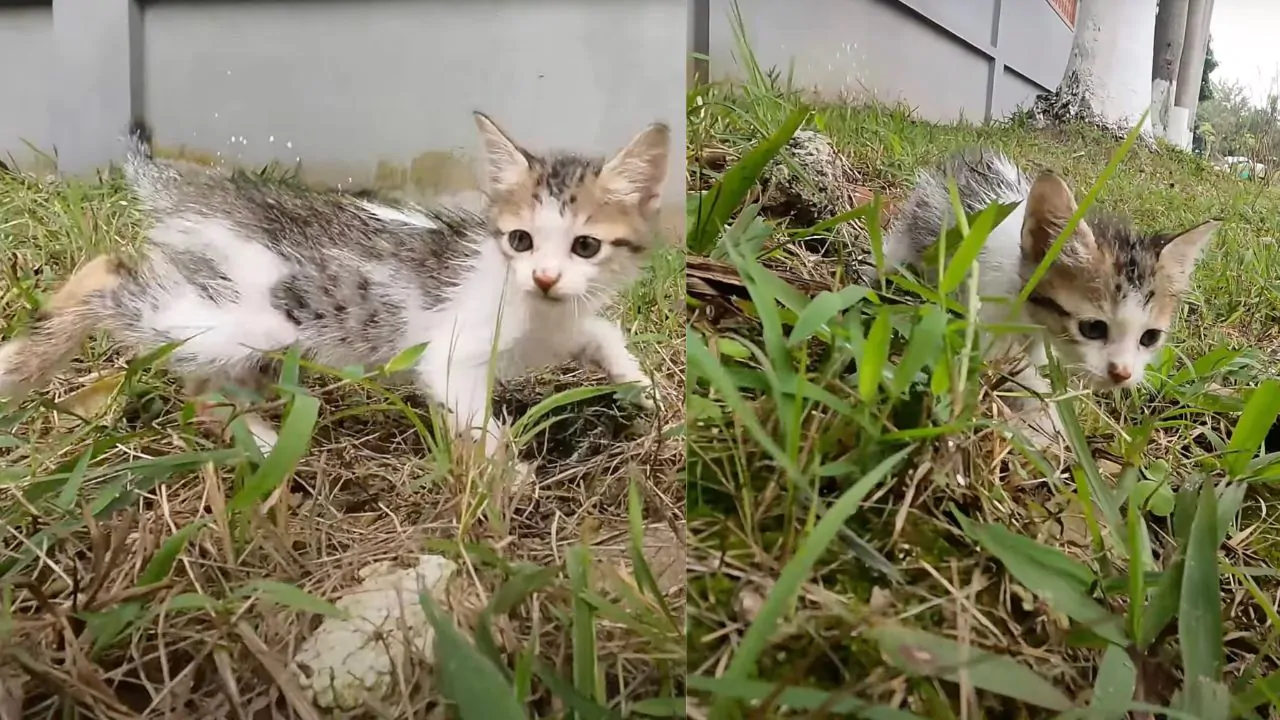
[148,179]
[28,362]
[982,176]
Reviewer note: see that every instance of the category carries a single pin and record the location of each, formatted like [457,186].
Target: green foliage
[827,427]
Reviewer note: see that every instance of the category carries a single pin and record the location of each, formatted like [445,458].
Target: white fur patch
[219,332]
[400,216]
[9,350]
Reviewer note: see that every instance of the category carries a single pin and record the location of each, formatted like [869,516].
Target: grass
[150,569]
[870,536]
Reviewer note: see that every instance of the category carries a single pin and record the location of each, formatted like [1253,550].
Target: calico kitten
[234,268]
[1106,302]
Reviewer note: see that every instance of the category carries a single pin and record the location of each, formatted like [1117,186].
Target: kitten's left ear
[1178,257]
[636,174]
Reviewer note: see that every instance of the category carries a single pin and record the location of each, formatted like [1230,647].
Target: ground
[152,569]
[863,525]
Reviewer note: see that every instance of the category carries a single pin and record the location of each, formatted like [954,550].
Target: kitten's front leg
[604,343]
[464,389]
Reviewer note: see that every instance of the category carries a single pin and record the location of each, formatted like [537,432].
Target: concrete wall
[26,37]
[357,92]
[977,59]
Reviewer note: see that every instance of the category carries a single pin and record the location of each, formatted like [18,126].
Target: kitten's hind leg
[70,317]
[604,344]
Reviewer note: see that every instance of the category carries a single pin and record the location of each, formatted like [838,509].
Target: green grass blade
[1163,605]
[465,677]
[527,425]
[1050,574]
[875,355]
[585,667]
[643,573]
[406,359]
[966,253]
[1098,488]
[161,564]
[1113,687]
[717,205]
[928,336]
[1200,609]
[294,440]
[923,653]
[822,310]
[756,639]
[702,362]
[1260,413]
[290,596]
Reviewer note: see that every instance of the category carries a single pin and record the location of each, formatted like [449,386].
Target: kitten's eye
[1093,329]
[1150,337]
[585,246]
[520,240]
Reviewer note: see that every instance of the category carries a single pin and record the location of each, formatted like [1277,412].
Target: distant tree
[1210,64]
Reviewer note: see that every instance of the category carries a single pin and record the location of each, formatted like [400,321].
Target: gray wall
[26,36]
[357,92]
[977,59]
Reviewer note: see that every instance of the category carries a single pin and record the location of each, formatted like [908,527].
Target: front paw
[638,391]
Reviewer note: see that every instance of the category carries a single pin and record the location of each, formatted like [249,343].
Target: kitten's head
[1109,298]
[574,227]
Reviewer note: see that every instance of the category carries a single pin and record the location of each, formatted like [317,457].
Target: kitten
[1107,301]
[238,268]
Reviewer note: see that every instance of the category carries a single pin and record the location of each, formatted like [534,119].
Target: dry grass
[87,507]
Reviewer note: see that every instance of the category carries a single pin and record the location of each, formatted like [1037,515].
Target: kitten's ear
[636,174]
[1050,205]
[1178,257]
[505,163]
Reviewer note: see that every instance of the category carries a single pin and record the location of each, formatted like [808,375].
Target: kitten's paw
[639,391]
[523,477]
[264,436]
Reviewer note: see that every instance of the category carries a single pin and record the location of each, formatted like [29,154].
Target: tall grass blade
[718,204]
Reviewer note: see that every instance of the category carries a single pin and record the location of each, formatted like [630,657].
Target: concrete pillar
[699,41]
[1179,128]
[1195,43]
[1171,27]
[1208,20]
[96,80]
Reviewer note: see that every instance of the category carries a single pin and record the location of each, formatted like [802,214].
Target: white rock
[356,657]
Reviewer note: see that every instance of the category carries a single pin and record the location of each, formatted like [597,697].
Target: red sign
[1067,9]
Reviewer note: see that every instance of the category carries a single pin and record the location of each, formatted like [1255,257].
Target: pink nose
[545,281]
[1118,374]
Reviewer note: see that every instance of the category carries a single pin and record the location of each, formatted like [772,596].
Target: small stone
[354,658]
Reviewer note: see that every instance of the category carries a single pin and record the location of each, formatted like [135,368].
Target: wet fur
[1108,270]
[235,268]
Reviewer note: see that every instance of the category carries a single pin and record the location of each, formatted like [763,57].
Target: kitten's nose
[1118,373]
[545,281]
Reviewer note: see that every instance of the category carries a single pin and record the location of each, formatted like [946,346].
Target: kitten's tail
[982,176]
[151,181]
[28,361]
